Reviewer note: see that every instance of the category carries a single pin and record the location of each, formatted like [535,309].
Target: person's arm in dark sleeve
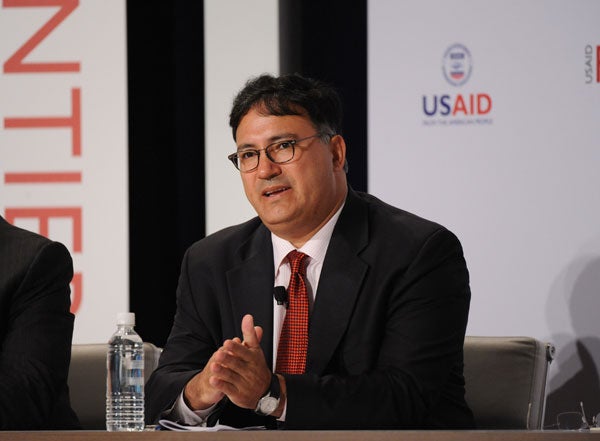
[190,346]
[36,350]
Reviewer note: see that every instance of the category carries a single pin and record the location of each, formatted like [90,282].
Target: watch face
[268,405]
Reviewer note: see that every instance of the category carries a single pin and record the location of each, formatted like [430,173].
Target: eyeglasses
[280,152]
[571,421]
[576,420]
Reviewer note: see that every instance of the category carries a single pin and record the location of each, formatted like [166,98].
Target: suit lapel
[341,278]
[250,286]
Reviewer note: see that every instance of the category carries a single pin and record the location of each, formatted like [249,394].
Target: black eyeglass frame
[234,157]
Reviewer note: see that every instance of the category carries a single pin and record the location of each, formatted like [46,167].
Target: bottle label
[131,363]
[134,370]
[135,381]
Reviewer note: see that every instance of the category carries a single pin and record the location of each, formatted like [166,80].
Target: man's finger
[259,333]
[249,332]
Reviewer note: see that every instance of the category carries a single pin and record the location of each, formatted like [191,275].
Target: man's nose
[267,169]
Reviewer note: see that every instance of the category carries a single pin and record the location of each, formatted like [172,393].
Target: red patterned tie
[293,343]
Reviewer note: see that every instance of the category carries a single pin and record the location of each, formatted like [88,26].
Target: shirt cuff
[182,413]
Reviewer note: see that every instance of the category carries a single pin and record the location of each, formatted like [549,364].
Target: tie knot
[298,261]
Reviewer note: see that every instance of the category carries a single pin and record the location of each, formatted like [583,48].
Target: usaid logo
[457,65]
[591,69]
[457,107]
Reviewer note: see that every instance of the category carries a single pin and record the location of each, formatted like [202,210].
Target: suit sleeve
[201,320]
[36,350]
[190,346]
[416,334]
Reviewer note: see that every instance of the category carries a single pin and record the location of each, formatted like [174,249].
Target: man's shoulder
[391,231]
[229,240]
[20,243]
[24,253]
[383,215]
[391,228]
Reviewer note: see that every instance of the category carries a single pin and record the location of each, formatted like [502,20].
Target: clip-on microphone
[281,296]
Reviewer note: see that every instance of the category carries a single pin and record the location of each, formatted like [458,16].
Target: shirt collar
[315,247]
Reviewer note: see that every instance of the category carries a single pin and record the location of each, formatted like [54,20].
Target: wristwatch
[270,401]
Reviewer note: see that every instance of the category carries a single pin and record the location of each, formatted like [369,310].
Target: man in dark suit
[388,291]
[35,331]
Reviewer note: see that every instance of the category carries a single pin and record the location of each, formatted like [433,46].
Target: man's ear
[338,150]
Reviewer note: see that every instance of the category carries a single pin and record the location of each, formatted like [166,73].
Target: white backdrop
[234,52]
[63,143]
[519,180]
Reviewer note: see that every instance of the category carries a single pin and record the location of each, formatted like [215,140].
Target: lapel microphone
[281,295]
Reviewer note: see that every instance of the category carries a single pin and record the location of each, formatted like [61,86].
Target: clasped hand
[238,370]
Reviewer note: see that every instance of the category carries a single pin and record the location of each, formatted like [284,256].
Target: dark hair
[290,95]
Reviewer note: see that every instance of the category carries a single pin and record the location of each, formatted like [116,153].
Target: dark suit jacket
[35,331]
[385,335]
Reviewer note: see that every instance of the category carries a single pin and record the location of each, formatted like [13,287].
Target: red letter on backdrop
[76,292]
[15,63]
[73,122]
[459,105]
[483,98]
[41,177]
[45,214]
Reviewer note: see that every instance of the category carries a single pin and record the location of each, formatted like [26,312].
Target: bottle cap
[126,318]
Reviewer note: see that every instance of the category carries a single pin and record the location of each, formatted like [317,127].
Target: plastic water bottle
[125,378]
